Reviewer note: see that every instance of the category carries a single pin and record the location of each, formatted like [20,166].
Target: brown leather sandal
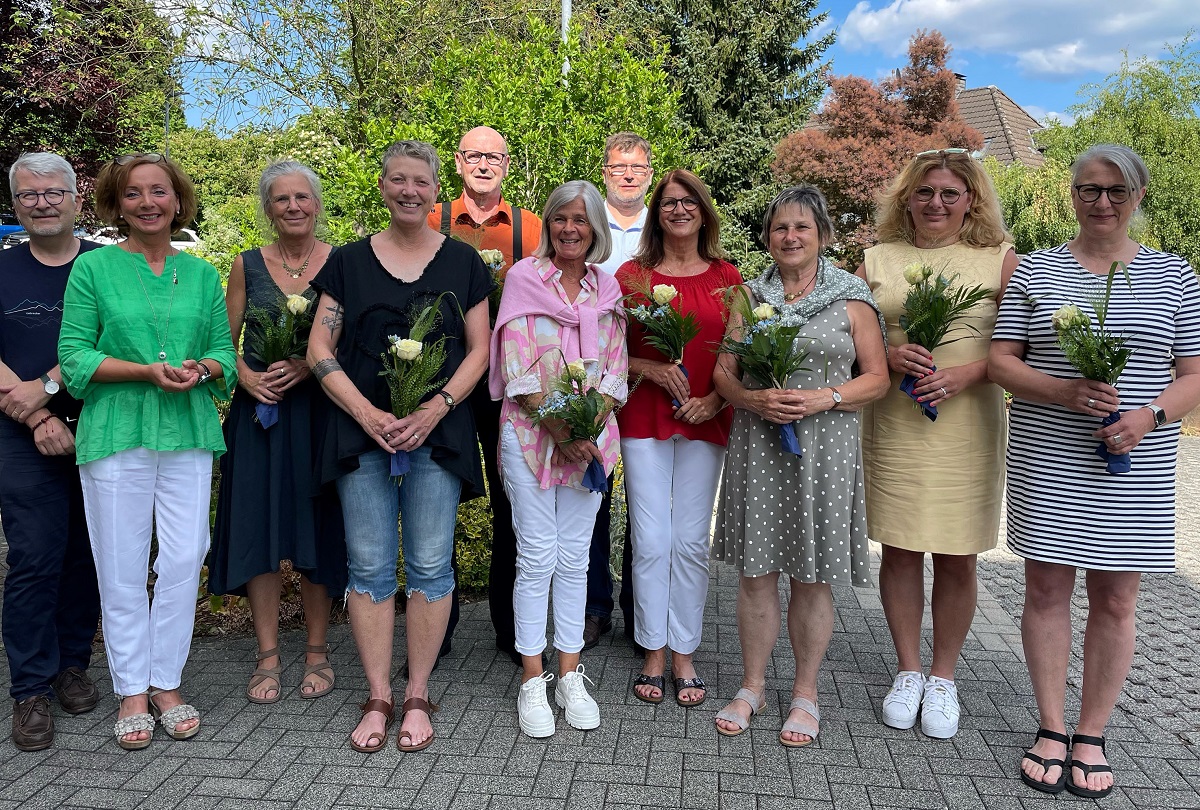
[387,709]
[421,705]
[266,673]
[323,670]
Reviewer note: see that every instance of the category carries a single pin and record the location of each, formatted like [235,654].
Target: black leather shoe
[593,628]
[32,725]
[75,691]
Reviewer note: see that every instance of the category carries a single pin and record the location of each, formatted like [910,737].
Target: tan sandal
[727,714]
[323,671]
[809,728]
[266,673]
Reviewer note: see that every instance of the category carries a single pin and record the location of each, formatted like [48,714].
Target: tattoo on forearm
[334,319]
[325,367]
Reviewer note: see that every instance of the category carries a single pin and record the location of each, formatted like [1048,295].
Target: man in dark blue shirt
[51,601]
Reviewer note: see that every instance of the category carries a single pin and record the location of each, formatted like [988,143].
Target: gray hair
[283,168]
[810,199]
[43,164]
[413,149]
[1133,170]
[597,216]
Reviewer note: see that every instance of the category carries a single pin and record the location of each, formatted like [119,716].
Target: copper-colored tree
[864,133]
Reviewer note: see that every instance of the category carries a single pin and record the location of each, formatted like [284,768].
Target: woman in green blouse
[145,345]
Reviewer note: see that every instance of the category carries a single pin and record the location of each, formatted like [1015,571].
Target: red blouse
[648,413]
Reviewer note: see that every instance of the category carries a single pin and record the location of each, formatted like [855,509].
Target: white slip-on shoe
[533,709]
[903,700]
[571,694]
[939,708]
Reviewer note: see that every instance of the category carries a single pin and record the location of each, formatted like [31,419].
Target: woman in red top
[673,453]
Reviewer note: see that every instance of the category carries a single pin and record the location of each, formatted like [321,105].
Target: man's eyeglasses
[1090,193]
[949,195]
[671,203]
[471,157]
[148,157]
[941,152]
[52,196]
[618,169]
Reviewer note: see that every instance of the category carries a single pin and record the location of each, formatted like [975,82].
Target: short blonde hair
[983,224]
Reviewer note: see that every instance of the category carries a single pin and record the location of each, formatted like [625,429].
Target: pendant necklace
[295,272]
[161,336]
[790,297]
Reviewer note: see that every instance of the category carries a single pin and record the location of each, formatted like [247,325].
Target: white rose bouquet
[667,328]
[494,261]
[1096,353]
[282,337]
[583,409]
[767,350]
[411,367]
[931,308]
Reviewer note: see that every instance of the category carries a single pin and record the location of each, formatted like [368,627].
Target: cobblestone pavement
[294,754]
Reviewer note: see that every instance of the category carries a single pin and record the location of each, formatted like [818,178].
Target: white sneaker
[536,716]
[571,694]
[903,700]
[939,708]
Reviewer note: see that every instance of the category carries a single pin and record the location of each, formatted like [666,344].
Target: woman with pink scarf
[558,309]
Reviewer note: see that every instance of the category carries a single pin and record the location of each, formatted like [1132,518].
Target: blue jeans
[426,501]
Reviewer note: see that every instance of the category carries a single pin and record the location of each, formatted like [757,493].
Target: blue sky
[1039,52]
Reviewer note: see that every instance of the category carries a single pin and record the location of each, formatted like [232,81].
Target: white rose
[663,293]
[407,349]
[915,273]
[491,256]
[764,311]
[297,304]
[1068,316]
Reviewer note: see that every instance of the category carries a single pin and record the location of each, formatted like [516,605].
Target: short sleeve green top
[116,307]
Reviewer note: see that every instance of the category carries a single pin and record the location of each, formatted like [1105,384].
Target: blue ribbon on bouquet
[681,367]
[267,413]
[399,463]
[594,478]
[787,440]
[907,385]
[1117,462]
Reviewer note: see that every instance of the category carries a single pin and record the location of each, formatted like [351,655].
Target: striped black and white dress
[1063,507]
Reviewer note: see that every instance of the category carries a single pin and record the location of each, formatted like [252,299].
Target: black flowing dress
[270,507]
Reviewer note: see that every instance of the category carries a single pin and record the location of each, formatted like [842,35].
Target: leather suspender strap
[516,220]
[446,218]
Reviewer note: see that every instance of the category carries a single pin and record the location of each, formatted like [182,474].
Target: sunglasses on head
[148,157]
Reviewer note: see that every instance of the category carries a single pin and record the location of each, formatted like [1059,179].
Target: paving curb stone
[294,755]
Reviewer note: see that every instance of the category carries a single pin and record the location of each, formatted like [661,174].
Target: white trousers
[670,487]
[124,495]
[554,531]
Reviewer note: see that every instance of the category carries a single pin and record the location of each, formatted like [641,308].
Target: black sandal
[690,683]
[1038,784]
[659,682]
[1087,793]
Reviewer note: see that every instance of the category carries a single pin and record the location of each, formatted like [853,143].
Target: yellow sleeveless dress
[936,486]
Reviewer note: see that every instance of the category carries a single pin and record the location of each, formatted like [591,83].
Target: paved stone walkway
[293,754]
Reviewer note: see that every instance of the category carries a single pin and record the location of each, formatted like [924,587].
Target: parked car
[20,237]
[184,239]
[8,224]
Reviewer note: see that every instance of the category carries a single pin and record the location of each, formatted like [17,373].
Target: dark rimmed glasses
[471,157]
[52,196]
[670,203]
[949,195]
[1090,193]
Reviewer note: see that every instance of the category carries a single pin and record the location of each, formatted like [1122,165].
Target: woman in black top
[370,290]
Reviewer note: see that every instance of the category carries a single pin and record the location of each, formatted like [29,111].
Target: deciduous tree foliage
[866,131]
[1153,107]
[1036,203]
[84,78]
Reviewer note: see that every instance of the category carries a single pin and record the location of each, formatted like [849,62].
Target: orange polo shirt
[495,233]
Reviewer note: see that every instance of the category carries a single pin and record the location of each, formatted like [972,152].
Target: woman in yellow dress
[935,486]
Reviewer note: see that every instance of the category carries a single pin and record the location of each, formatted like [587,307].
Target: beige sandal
[727,714]
[170,718]
[323,670]
[132,724]
[264,673]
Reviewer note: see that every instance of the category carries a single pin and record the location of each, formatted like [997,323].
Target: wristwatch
[50,385]
[1160,416]
[837,398]
[444,394]
[205,375]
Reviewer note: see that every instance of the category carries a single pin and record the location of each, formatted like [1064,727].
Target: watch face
[837,398]
[51,387]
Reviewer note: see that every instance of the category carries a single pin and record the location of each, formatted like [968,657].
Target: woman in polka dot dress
[803,516]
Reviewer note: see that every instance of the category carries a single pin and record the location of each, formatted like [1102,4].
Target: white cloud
[1045,116]
[1049,39]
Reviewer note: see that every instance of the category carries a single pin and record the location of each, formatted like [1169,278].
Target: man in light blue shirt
[627,177]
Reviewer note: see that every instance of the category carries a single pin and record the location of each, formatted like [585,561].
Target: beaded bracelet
[43,421]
